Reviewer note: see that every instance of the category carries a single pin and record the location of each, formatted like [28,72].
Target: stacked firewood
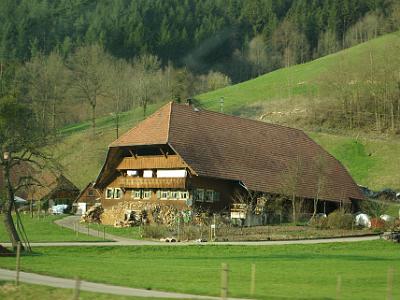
[92,215]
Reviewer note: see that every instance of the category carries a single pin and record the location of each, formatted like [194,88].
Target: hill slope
[373,162]
[283,84]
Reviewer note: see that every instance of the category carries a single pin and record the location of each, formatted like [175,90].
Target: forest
[113,56]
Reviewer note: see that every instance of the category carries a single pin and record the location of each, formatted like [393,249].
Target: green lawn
[127,232]
[372,162]
[8,291]
[283,84]
[44,230]
[282,272]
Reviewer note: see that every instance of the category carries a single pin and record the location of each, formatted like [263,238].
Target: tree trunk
[294,208]
[8,207]
[94,118]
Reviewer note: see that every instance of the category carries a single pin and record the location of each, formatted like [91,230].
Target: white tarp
[363,220]
[171,173]
[19,200]
[58,209]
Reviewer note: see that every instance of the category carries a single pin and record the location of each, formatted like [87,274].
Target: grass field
[282,272]
[126,232]
[8,291]
[44,230]
[283,84]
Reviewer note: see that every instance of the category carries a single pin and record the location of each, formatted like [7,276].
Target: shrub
[339,219]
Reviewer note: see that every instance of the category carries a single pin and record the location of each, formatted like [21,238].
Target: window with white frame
[117,193]
[174,195]
[184,195]
[164,195]
[109,193]
[147,194]
[136,194]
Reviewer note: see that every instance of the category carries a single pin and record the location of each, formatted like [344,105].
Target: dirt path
[57,282]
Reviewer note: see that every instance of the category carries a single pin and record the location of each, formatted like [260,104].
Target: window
[90,193]
[147,194]
[164,195]
[175,195]
[208,196]
[109,193]
[184,195]
[136,194]
[117,193]
[216,196]
[199,195]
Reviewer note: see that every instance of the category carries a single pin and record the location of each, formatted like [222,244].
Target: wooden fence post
[389,290]
[253,279]
[224,281]
[18,265]
[76,289]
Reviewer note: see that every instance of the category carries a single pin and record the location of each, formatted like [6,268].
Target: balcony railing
[148,183]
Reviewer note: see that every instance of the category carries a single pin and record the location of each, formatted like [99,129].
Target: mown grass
[298,80]
[126,232]
[374,163]
[44,229]
[8,291]
[282,272]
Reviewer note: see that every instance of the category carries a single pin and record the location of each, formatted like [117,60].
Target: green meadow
[282,272]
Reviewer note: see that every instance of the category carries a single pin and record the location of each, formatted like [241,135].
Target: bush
[319,222]
[339,219]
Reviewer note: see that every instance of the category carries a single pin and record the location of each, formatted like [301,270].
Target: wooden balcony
[149,183]
[151,162]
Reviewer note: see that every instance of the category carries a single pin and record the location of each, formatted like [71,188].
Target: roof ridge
[171,103]
[138,123]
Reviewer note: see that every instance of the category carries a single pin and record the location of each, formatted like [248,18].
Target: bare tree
[89,67]
[290,185]
[20,141]
[320,166]
[147,70]
[46,82]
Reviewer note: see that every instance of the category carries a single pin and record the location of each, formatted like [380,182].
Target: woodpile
[92,215]
[127,214]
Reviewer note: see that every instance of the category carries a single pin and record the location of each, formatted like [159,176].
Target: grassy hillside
[374,162]
[283,84]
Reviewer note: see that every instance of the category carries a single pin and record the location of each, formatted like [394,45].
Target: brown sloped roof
[259,154]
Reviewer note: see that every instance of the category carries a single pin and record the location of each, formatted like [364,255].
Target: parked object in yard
[58,209]
[386,218]
[363,220]
[391,236]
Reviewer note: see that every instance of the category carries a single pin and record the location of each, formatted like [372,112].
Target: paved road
[57,282]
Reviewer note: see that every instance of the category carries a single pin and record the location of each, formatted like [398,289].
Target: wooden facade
[199,160]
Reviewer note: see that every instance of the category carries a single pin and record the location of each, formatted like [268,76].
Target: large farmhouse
[190,158]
